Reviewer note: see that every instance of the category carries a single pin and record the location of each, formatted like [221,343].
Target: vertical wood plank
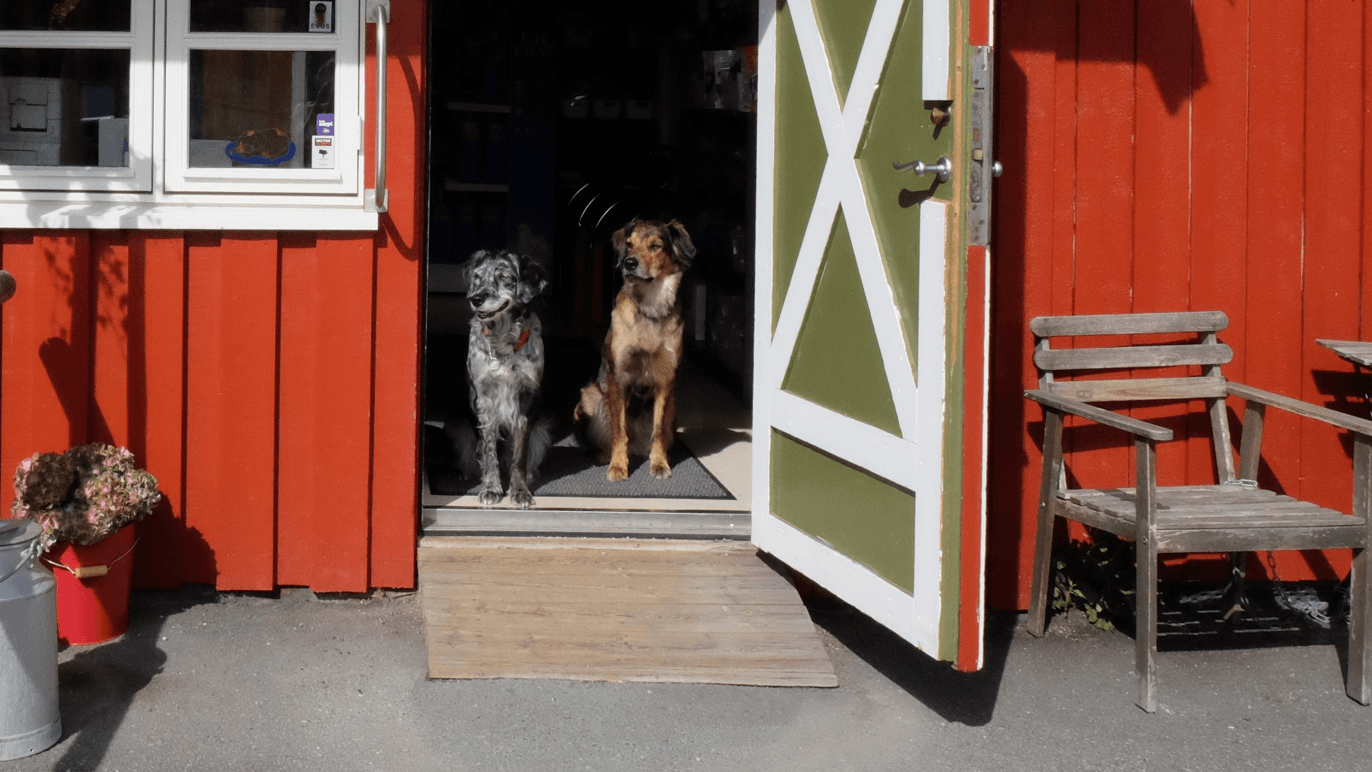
[1102,271]
[1034,41]
[231,402]
[1105,156]
[1333,238]
[46,346]
[325,408]
[971,547]
[1162,165]
[1219,181]
[1276,210]
[1365,289]
[395,430]
[170,553]
[109,414]
[396,356]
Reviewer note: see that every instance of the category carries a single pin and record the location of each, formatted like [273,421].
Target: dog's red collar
[519,344]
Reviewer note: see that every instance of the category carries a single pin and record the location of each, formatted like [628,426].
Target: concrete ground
[204,681]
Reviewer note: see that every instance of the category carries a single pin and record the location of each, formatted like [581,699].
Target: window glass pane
[64,107]
[72,15]
[260,108]
[262,16]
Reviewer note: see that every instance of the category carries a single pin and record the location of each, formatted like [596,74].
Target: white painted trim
[137,176]
[764,239]
[881,305]
[985,439]
[853,582]
[106,215]
[818,70]
[938,31]
[805,274]
[347,43]
[914,460]
[841,185]
[933,404]
[866,447]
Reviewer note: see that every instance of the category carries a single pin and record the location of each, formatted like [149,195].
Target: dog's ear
[469,267]
[620,241]
[532,278]
[682,248]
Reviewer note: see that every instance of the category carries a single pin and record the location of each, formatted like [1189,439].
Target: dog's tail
[462,435]
[588,420]
[540,439]
[592,425]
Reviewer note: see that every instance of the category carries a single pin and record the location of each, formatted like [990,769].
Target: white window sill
[270,215]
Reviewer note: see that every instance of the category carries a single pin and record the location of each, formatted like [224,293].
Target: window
[182,114]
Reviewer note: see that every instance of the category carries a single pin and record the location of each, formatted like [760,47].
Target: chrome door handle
[942,169]
[375,199]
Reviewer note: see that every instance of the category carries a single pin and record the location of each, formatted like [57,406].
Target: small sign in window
[321,16]
[321,144]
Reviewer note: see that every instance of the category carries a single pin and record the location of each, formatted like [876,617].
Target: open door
[871,307]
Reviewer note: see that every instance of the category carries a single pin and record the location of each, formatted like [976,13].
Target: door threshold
[627,523]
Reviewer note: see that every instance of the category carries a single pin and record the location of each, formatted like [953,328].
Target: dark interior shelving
[551,128]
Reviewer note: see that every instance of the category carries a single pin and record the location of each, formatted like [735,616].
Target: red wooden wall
[269,380]
[1166,155]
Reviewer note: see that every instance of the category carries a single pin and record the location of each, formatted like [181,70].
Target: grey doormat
[570,471]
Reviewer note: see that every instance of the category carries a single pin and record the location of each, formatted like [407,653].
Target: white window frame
[343,178]
[157,192]
[138,175]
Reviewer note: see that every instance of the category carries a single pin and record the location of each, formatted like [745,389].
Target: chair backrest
[1191,341]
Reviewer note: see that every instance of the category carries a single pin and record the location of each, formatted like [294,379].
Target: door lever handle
[942,169]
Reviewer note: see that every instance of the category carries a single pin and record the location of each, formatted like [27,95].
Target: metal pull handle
[942,169]
[375,199]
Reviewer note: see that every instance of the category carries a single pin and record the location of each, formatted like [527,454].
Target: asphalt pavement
[292,681]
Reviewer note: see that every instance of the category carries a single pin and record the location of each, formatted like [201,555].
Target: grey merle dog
[505,370]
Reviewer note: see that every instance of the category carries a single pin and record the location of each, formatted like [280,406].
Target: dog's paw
[617,472]
[661,470]
[490,496]
[522,498]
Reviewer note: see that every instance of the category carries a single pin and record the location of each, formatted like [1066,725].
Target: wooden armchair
[1233,515]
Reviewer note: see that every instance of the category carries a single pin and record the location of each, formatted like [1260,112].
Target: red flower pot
[93,585]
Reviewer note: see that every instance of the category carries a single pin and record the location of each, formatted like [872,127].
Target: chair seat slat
[1239,509]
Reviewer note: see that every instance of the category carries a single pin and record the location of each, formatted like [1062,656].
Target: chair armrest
[1302,408]
[1102,416]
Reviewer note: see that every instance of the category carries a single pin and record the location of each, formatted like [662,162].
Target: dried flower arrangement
[83,495]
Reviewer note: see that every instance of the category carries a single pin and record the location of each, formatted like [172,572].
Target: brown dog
[631,405]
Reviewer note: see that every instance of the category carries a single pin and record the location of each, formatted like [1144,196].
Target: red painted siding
[269,380]
[1169,155]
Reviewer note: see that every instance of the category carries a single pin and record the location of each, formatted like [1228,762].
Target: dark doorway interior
[550,129]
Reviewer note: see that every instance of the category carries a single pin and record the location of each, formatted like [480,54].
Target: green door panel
[864,456]
[860,515]
[902,130]
[844,27]
[837,362]
[800,157]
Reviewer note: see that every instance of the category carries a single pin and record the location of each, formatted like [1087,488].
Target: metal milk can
[29,719]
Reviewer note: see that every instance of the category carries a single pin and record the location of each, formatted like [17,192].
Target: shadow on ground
[964,698]
[98,683]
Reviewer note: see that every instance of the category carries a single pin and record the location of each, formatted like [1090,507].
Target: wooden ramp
[614,610]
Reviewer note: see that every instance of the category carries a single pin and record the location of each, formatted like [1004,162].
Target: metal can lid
[18,531]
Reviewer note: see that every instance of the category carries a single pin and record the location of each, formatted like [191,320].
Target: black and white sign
[321,15]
